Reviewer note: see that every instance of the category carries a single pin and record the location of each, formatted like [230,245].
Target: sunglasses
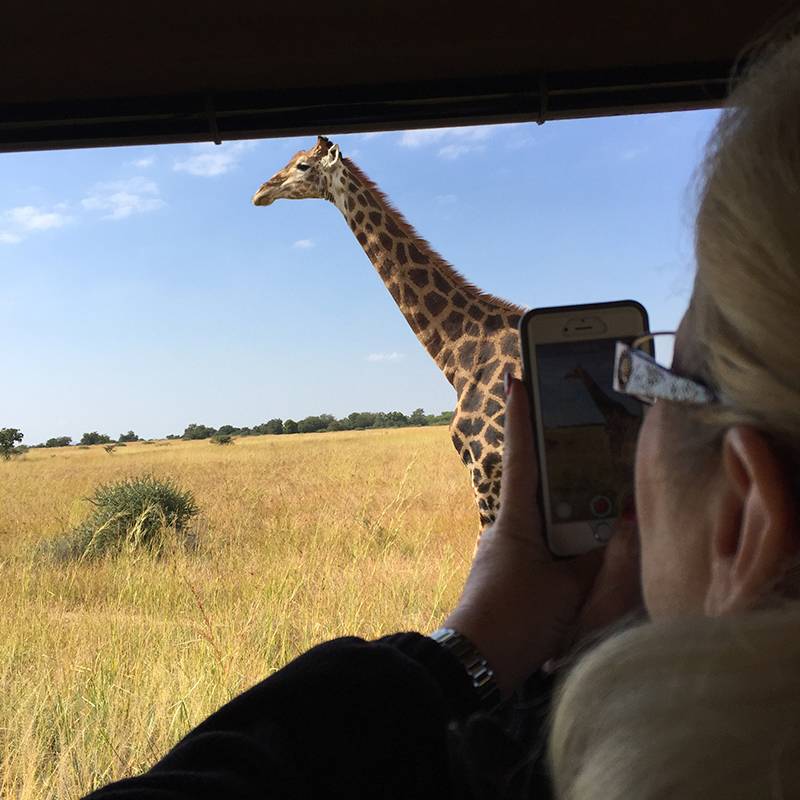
[639,375]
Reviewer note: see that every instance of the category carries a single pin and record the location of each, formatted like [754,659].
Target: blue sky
[141,289]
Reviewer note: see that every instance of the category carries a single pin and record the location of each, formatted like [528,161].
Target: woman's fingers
[617,588]
[520,466]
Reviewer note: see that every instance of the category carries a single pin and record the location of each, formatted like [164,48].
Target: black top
[394,718]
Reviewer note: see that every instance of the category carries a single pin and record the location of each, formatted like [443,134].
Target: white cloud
[385,356]
[33,219]
[452,151]
[421,138]
[632,153]
[455,142]
[304,244]
[123,198]
[141,163]
[212,159]
[16,222]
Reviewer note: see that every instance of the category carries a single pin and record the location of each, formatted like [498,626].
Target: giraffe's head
[304,176]
[576,372]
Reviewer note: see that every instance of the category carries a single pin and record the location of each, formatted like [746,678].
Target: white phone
[585,432]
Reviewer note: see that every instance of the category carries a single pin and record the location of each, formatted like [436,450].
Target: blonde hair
[746,299]
[696,708]
[710,707]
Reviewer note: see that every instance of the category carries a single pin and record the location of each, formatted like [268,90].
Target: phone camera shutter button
[602,532]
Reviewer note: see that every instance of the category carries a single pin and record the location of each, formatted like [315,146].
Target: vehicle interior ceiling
[93,73]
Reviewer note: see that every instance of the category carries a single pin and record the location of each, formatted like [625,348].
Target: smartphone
[585,432]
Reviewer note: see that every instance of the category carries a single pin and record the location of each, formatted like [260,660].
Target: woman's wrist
[498,654]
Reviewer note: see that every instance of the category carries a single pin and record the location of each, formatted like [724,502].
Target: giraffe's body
[472,336]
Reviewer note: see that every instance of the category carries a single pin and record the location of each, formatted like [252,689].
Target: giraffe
[471,335]
[621,424]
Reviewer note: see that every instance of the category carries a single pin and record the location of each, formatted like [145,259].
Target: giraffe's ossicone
[471,335]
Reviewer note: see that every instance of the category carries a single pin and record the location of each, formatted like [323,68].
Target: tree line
[357,421]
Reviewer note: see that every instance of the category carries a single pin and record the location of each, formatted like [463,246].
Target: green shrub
[223,438]
[130,514]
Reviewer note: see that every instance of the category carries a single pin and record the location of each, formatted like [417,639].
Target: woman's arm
[348,718]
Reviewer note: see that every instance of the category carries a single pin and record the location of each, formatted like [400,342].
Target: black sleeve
[347,719]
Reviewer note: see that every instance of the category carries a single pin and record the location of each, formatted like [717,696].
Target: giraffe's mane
[409,230]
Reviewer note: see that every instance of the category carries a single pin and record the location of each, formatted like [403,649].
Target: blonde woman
[705,702]
[716,497]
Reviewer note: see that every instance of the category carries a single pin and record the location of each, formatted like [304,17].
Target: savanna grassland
[105,663]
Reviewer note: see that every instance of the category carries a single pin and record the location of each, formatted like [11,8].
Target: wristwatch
[478,671]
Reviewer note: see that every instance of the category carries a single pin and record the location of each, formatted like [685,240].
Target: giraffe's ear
[333,155]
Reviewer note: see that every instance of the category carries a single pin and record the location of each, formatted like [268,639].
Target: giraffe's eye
[303,167]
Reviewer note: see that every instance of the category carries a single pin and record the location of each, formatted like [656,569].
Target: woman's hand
[520,606]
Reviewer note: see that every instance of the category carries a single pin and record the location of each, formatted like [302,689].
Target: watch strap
[475,665]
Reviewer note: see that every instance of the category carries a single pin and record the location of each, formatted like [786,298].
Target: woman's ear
[754,539]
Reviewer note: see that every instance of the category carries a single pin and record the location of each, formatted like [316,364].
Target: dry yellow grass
[106,664]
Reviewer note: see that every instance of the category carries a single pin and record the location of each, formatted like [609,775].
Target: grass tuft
[134,513]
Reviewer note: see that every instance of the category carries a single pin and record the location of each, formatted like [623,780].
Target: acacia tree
[8,439]
[95,438]
[59,441]
[195,431]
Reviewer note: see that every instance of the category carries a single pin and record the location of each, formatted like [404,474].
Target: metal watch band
[479,672]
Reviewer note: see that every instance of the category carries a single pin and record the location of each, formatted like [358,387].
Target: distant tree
[94,438]
[441,419]
[20,450]
[381,420]
[173,436]
[308,425]
[195,431]
[361,419]
[418,417]
[274,427]
[8,440]
[396,419]
[223,438]
[290,426]
[130,436]
[227,430]
[59,441]
[313,424]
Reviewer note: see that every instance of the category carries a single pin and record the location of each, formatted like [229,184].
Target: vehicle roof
[97,73]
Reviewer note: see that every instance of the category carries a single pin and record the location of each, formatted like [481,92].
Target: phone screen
[589,430]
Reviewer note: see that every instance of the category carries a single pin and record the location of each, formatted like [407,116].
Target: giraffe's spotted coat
[470,335]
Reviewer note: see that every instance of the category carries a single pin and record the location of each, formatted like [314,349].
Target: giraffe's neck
[440,306]
[604,404]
